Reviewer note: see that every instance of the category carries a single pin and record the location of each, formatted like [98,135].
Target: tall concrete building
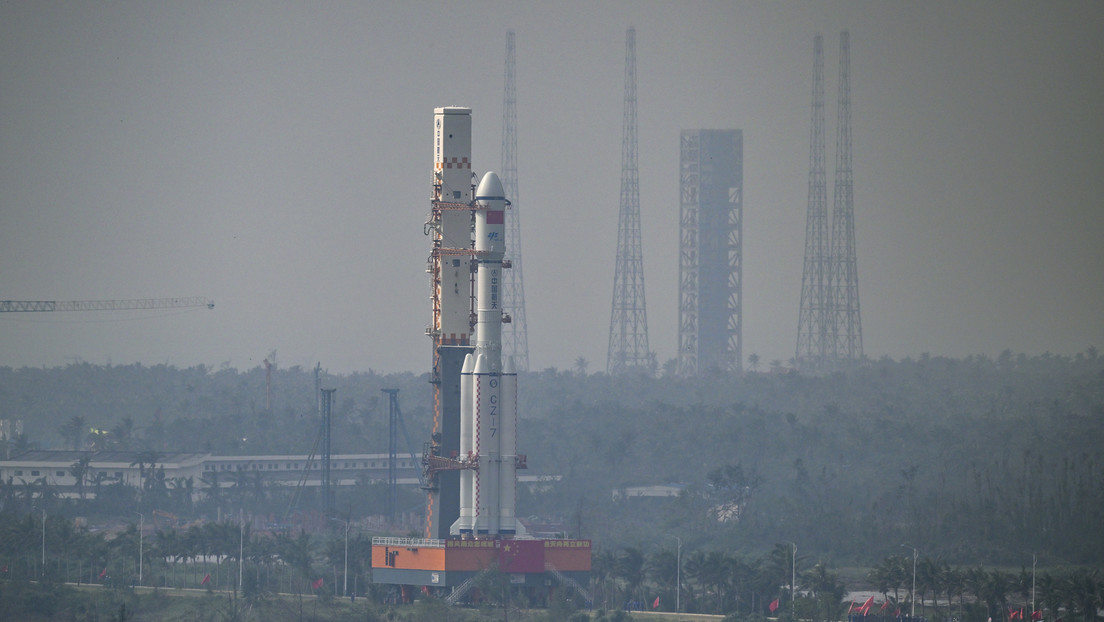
[711,208]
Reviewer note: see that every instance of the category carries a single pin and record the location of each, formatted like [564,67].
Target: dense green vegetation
[978,463]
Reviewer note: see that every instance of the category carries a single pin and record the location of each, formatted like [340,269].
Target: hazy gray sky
[276,157]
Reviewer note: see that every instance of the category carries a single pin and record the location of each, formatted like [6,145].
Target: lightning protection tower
[628,336]
[844,277]
[815,333]
[515,341]
[710,240]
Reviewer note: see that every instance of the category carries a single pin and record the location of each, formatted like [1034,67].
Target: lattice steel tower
[829,331]
[844,275]
[515,341]
[628,337]
[815,334]
[711,180]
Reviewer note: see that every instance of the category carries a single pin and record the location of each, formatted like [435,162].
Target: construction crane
[38,306]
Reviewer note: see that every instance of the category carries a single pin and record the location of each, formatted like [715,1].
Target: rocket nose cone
[490,188]
[482,365]
[469,364]
[509,367]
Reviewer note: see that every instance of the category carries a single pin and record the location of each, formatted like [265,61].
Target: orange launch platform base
[448,563]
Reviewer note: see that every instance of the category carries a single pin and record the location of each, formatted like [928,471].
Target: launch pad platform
[449,563]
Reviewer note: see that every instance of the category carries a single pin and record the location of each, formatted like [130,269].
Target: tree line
[978,460]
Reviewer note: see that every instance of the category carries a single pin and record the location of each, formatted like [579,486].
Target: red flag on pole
[850,607]
[773,606]
[317,584]
[884,605]
[206,579]
[866,606]
[1035,615]
[103,573]
[655,605]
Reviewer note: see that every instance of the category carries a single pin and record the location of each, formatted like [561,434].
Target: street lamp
[793,580]
[141,529]
[912,596]
[44,542]
[1034,560]
[241,546]
[345,586]
[678,574]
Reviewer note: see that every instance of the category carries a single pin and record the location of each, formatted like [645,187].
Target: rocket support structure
[449,267]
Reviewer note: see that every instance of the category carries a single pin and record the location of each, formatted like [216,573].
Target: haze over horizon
[276,158]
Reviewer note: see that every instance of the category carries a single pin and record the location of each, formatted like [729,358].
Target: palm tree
[602,570]
[73,431]
[581,365]
[928,573]
[143,459]
[954,583]
[826,590]
[167,544]
[1083,592]
[630,569]
[753,361]
[79,470]
[662,569]
[122,434]
[695,573]
[890,573]
[296,553]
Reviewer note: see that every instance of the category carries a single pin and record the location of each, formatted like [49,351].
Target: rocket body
[488,388]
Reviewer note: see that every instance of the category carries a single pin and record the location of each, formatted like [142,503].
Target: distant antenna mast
[628,337]
[814,329]
[515,341]
[847,322]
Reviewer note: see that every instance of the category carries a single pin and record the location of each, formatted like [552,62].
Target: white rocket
[488,389]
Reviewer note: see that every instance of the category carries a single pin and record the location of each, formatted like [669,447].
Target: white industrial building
[55,468]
